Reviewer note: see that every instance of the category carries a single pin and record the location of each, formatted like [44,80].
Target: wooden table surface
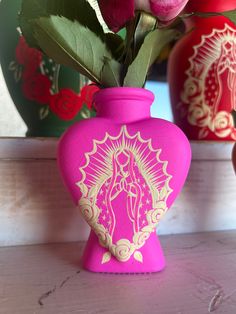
[200,278]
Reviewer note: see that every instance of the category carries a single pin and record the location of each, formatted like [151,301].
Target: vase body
[124,169]
[46,95]
[202,74]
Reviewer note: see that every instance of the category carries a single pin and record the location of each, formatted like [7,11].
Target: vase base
[152,258]
[126,270]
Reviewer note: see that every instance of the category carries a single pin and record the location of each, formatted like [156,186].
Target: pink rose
[167,10]
[117,13]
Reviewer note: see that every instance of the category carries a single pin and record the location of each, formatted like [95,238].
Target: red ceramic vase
[202,74]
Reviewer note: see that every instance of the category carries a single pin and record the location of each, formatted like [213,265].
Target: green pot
[46,95]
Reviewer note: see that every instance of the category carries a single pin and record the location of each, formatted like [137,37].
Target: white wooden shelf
[45,148]
[36,208]
[47,279]
[13,148]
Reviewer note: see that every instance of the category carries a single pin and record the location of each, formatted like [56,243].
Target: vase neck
[124,104]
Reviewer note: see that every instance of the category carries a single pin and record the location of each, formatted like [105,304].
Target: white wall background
[11,123]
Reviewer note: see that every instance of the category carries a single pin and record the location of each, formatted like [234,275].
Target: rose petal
[167,10]
[116,13]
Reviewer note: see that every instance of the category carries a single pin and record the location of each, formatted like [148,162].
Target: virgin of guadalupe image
[225,73]
[123,182]
[122,197]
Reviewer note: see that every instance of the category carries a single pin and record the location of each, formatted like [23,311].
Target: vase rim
[117,93]
[123,104]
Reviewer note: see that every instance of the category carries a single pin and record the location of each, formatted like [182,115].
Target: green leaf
[95,5]
[145,24]
[71,9]
[111,73]
[231,15]
[115,44]
[31,9]
[43,112]
[71,44]
[153,44]
[136,31]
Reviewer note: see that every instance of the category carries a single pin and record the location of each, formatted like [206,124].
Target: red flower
[30,58]
[117,13]
[66,104]
[87,93]
[37,88]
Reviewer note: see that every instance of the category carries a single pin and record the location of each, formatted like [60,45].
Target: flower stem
[200,14]
[136,31]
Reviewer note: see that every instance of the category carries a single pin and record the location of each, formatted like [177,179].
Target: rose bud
[167,10]
[117,13]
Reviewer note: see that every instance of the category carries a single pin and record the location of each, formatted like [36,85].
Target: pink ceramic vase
[124,169]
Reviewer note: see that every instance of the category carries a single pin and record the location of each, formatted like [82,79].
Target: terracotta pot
[202,74]
[124,169]
[47,95]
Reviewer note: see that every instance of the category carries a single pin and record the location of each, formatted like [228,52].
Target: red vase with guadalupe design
[202,74]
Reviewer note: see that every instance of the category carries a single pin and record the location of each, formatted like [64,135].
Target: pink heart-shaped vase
[124,170]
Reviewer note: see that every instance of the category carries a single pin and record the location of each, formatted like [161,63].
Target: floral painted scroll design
[39,79]
[124,180]
[210,77]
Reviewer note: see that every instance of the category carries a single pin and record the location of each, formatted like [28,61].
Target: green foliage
[71,9]
[231,15]
[111,73]
[70,43]
[152,46]
[145,24]
[70,32]
[116,44]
